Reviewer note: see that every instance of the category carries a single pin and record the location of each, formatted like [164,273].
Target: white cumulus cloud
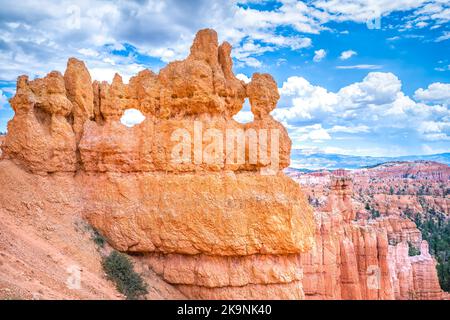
[444,36]
[436,92]
[314,133]
[347,54]
[349,129]
[319,55]
[376,105]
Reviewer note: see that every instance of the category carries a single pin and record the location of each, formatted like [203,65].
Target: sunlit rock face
[365,259]
[211,220]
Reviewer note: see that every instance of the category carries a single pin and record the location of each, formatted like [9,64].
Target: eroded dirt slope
[43,239]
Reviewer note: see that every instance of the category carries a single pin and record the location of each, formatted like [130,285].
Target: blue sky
[366,77]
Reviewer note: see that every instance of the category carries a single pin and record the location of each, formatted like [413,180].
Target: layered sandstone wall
[356,259]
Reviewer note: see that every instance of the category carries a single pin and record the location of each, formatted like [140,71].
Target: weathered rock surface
[39,136]
[218,213]
[414,278]
[213,277]
[200,195]
[360,259]
[2,140]
[79,91]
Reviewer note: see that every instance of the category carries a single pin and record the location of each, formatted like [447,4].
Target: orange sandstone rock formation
[228,227]
[40,137]
[356,259]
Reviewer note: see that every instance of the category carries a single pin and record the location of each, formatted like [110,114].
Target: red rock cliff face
[365,260]
[213,228]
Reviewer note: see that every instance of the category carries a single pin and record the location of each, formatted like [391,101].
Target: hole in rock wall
[245,115]
[132,117]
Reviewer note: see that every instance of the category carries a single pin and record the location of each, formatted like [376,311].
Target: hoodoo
[220,229]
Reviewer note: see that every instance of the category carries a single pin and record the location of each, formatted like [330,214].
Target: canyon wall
[366,259]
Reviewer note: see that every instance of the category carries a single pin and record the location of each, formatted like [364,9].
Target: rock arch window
[245,115]
[132,117]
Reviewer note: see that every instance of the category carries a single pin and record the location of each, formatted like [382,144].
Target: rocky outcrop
[394,188]
[360,259]
[414,278]
[79,91]
[399,230]
[40,137]
[411,188]
[348,261]
[200,196]
[2,139]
